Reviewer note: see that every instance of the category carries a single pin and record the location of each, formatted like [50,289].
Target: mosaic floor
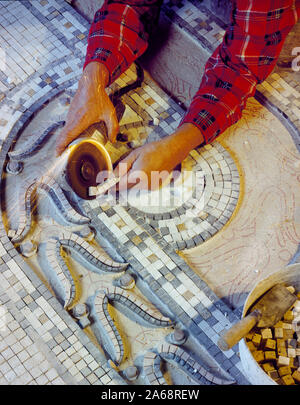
[94,293]
[66,320]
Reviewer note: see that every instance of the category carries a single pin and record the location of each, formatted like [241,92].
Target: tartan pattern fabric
[97,33]
[204,119]
[247,55]
[273,39]
[101,53]
[273,14]
[121,29]
[223,84]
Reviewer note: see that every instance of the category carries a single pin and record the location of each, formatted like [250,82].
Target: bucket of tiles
[255,367]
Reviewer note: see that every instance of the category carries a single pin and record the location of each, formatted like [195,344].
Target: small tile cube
[283,361]
[258,356]
[288,316]
[278,333]
[288,380]
[292,343]
[270,355]
[251,346]
[281,351]
[288,334]
[268,367]
[280,343]
[296,375]
[291,352]
[266,333]
[270,344]
[273,374]
[293,362]
[256,339]
[284,370]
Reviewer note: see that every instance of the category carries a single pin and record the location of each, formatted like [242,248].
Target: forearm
[183,140]
[94,74]
[119,34]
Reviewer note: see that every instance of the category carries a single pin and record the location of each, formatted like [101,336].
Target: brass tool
[87,158]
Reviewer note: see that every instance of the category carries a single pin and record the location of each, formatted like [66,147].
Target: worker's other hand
[90,104]
[148,166]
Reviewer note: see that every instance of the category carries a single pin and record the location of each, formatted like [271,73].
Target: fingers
[132,172]
[69,133]
[66,136]
[125,164]
[112,125]
[73,127]
[122,169]
[61,142]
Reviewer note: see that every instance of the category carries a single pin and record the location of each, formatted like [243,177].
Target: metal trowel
[266,312]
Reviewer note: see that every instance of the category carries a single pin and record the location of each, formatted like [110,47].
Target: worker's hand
[148,166]
[90,104]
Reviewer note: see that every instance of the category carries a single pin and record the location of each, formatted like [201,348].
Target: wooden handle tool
[267,311]
[231,336]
